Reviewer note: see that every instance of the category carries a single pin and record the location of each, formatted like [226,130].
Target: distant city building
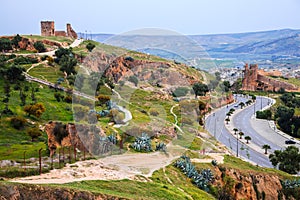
[48,29]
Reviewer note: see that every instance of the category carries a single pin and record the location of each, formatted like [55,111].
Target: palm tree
[227,120]
[235,130]
[242,104]
[247,138]
[241,134]
[248,102]
[228,114]
[266,147]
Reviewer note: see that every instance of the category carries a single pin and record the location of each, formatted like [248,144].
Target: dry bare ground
[116,167]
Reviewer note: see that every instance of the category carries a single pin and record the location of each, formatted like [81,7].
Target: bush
[134,80]
[39,46]
[186,120]
[90,46]
[266,114]
[34,133]
[68,99]
[18,122]
[37,109]
[153,112]
[180,91]
[21,60]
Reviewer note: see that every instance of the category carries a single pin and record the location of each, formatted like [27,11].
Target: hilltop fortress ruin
[48,29]
[258,79]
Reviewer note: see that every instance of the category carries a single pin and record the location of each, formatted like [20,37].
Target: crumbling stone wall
[70,32]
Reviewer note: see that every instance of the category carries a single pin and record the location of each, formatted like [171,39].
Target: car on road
[290,142]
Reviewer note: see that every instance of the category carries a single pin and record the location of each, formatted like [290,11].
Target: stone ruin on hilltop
[48,29]
[258,79]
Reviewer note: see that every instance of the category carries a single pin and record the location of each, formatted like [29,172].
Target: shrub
[68,99]
[142,143]
[266,114]
[180,91]
[39,46]
[37,109]
[34,133]
[153,112]
[18,122]
[134,80]
[90,46]
[186,120]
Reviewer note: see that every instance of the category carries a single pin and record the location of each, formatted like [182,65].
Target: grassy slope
[52,38]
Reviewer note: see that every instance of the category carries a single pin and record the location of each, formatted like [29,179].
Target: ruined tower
[47,28]
[250,77]
[70,32]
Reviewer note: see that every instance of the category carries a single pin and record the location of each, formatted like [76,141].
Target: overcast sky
[182,16]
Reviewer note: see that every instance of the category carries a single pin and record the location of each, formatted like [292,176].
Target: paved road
[215,125]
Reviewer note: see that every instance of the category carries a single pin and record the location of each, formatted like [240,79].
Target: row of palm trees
[266,147]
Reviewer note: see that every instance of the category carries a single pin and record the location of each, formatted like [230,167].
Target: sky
[119,16]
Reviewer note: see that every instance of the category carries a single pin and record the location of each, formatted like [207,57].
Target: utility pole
[40,160]
[237,145]
[215,125]
[260,102]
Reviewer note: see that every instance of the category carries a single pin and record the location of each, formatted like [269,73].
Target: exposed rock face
[255,79]
[83,136]
[155,73]
[22,191]
[250,185]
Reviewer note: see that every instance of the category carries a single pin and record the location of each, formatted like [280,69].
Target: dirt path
[115,167]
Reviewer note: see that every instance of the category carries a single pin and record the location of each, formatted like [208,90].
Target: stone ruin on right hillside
[258,79]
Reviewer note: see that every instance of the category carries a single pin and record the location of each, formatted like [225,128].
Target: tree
[200,89]
[228,114]
[247,138]
[226,85]
[15,41]
[235,130]
[227,120]
[266,147]
[90,46]
[241,134]
[39,46]
[67,64]
[253,97]
[248,102]
[60,52]
[37,109]
[180,91]
[5,44]
[134,80]
[242,104]
[213,84]
[218,76]
[34,133]
[265,114]
[287,160]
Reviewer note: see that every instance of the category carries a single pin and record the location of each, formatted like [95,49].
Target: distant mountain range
[259,47]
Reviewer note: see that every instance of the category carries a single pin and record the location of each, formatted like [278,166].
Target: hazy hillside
[238,47]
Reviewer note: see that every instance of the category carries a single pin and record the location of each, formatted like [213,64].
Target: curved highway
[215,125]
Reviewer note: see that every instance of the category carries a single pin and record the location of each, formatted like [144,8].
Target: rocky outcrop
[255,79]
[84,137]
[155,73]
[249,185]
[26,191]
